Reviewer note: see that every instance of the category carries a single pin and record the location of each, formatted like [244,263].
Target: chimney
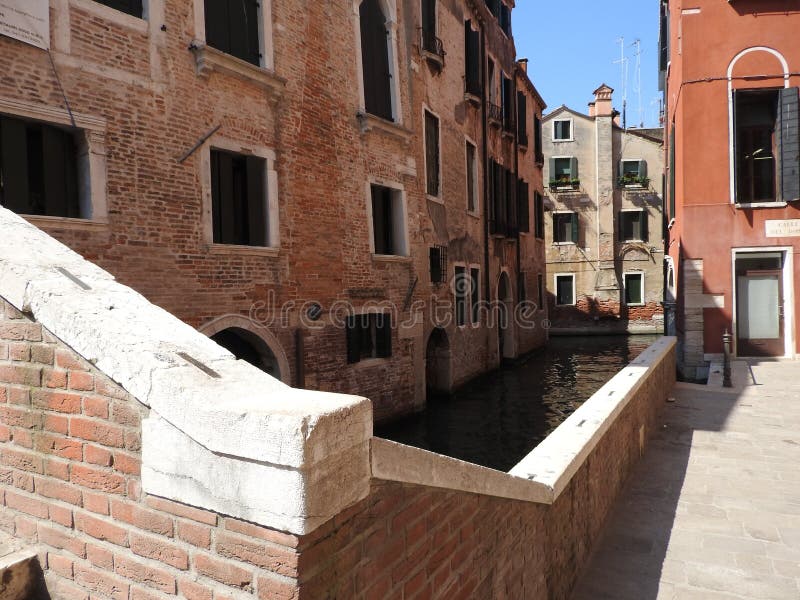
[602,100]
[592,110]
[523,64]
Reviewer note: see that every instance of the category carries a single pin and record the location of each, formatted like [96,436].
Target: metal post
[726,365]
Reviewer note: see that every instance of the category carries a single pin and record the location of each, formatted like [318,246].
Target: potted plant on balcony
[564,184]
[633,181]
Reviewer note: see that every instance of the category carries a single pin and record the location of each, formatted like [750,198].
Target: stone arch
[438,373]
[224,330]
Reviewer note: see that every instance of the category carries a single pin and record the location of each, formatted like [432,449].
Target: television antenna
[623,67]
[637,44]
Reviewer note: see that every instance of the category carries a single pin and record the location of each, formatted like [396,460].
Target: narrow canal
[498,418]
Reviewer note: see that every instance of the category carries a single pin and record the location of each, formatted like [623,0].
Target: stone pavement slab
[712,512]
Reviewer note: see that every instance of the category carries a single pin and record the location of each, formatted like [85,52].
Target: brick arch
[239,322]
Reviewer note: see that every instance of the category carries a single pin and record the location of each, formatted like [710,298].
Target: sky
[572,46]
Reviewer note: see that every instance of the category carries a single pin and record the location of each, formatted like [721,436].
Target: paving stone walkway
[712,512]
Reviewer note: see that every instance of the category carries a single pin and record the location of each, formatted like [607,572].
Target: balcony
[432,49]
[495,112]
[565,185]
[472,91]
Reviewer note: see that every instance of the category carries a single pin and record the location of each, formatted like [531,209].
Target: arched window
[375,62]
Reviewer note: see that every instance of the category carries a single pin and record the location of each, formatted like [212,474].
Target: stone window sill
[47,222]
[210,60]
[368,122]
[391,258]
[746,205]
[112,15]
[239,250]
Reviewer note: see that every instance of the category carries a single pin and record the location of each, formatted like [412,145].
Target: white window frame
[625,288]
[272,208]
[493,92]
[556,276]
[476,211]
[562,212]
[468,321]
[401,211]
[571,130]
[91,159]
[440,183]
[551,176]
[266,43]
[390,10]
[629,160]
[646,214]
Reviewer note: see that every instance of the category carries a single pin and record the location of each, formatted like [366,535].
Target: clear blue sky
[572,45]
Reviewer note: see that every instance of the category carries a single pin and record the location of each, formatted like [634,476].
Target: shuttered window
[472,60]
[38,169]
[522,119]
[475,295]
[375,60]
[789,142]
[505,19]
[634,289]
[564,170]
[537,140]
[472,178]
[565,290]
[524,206]
[502,201]
[672,172]
[369,335]
[382,221]
[633,226]
[538,201]
[562,130]
[565,228]
[540,291]
[632,172]
[232,27]
[131,7]
[238,199]
[508,104]
[432,154]
[461,286]
[429,25]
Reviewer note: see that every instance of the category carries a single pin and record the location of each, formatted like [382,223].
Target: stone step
[20,573]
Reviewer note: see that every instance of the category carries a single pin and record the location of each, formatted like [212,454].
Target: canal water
[497,419]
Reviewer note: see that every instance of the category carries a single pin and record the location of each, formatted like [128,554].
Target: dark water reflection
[498,418]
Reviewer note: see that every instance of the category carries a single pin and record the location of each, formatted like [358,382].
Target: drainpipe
[485,149]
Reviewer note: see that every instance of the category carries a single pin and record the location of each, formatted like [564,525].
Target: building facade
[308,183]
[603,222]
[730,79]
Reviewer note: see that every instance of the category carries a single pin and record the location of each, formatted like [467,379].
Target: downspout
[485,149]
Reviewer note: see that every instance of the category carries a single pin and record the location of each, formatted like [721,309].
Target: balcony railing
[495,112]
[433,46]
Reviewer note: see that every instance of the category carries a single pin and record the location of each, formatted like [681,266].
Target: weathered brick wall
[407,541]
[69,481]
[607,314]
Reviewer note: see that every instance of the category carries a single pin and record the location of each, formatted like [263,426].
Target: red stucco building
[730,75]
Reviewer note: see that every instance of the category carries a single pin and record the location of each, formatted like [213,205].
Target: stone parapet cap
[207,398]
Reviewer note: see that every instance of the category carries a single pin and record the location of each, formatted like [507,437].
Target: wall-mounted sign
[783,228]
[27,21]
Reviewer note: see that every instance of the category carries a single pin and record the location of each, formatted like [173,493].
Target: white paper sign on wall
[27,21]
[783,228]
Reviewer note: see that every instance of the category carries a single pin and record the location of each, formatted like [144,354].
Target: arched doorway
[247,346]
[437,363]
[505,325]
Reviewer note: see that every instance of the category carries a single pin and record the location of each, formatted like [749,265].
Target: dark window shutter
[474,294]
[672,170]
[621,224]
[575,227]
[537,134]
[524,203]
[241,231]
[493,195]
[573,167]
[736,169]
[429,17]
[789,144]
[217,19]
[472,59]
[60,173]
[353,339]
[522,118]
[642,172]
[382,219]
[511,203]
[256,202]
[383,335]
[132,7]
[432,153]
[539,202]
[551,162]
[243,30]
[14,192]
[644,226]
[375,60]
[508,104]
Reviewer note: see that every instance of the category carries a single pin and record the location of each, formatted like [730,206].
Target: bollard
[726,364]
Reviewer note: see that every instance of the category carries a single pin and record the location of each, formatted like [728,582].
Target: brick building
[730,78]
[312,185]
[603,221]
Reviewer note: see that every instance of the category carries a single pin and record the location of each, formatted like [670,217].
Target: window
[466,286]
[238,199]
[562,130]
[472,77]
[505,19]
[369,335]
[632,172]
[438,263]
[472,178]
[430,43]
[537,139]
[634,289]
[502,204]
[377,77]
[490,81]
[565,289]
[564,171]
[538,201]
[508,104]
[523,212]
[633,225]
[522,119]
[565,228]
[540,291]
[131,7]
[232,27]
[388,221]
[39,169]
[432,154]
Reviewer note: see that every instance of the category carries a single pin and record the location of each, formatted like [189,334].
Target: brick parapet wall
[70,462]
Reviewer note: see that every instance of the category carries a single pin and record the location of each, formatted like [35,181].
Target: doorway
[760,304]
[250,348]
[437,364]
